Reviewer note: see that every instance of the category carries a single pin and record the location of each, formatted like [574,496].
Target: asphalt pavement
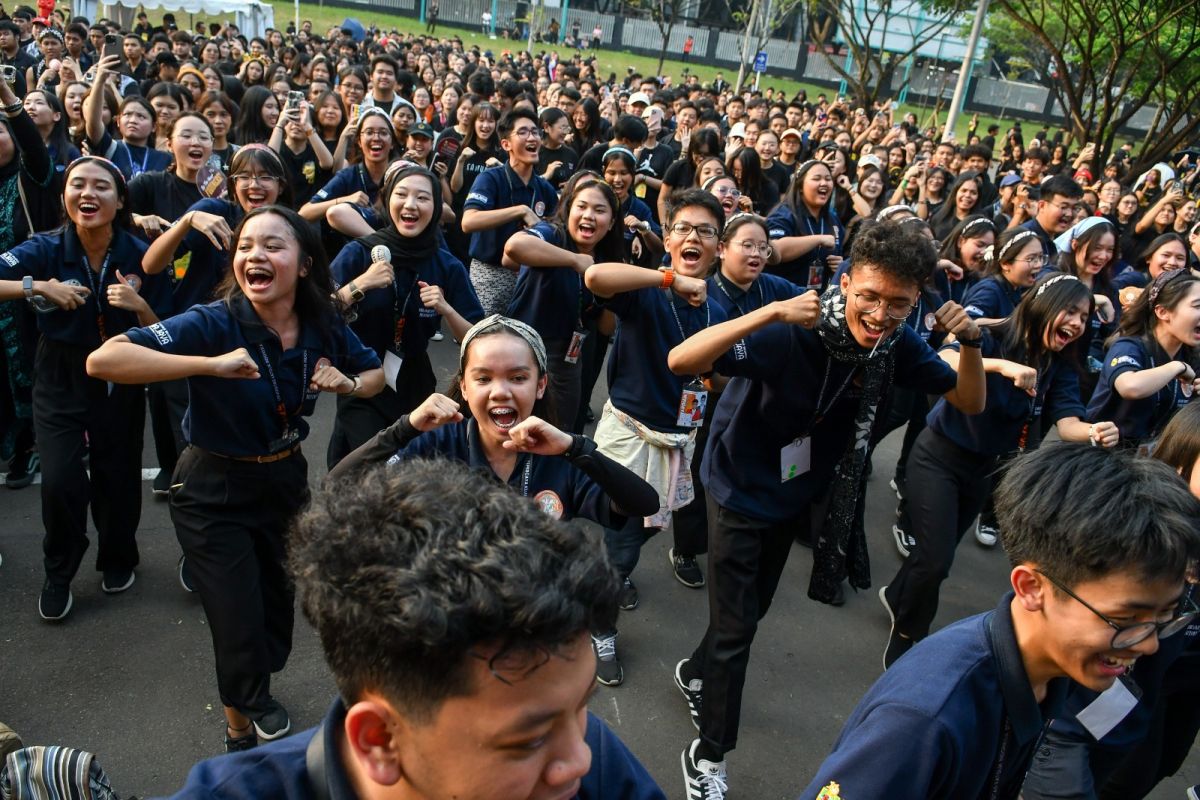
[130,677]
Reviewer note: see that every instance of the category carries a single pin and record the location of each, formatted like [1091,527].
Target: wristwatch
[27,286]
[356,294]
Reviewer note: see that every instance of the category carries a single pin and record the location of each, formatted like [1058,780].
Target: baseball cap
[1009,180]
[738,131]
[639,97]
[870,160]
[791,132]
[421,129]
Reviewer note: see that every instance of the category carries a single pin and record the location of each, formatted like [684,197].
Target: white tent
[252,17]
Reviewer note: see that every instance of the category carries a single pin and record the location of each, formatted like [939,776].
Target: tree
[866,25]
[1105,60]
[760,21]
[664,13]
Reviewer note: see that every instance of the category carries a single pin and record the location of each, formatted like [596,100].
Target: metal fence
[722,48]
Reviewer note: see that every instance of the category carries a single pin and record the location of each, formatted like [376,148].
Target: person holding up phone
[305,157]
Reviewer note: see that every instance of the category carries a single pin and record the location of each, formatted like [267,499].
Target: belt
[280,456]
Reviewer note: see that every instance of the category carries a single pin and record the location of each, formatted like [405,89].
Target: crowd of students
[226,228]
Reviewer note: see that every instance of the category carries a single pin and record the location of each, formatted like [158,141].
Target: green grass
[615,61]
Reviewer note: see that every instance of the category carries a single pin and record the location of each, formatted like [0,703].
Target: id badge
[1110,708]
[815,273]
[691,405]
[575,348]
[794,459]
[391,368]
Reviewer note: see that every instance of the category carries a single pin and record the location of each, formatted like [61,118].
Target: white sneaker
[703,780]
[905,542]
[986,535]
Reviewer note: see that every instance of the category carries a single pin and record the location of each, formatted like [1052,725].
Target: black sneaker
[274,724]
[117,580]
[687,571]
[986,535]
[237,744]
[692,691]
[185,576]
[897,645]
[905,541]
[608,666]
[628,600]
[897,485]
[55,602]
[22,469]
[703,780]
[162,483]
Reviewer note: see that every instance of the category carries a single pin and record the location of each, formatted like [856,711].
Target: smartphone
[355,113]
[112,45]
[294,99]
[9,73]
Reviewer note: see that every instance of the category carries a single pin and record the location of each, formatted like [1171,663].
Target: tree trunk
[741,76]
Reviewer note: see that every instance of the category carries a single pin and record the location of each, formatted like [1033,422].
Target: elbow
[98,364]
[468,223]
[680,364]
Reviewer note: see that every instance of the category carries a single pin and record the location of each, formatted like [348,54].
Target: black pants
[67,406]
[595,348]
[689,525]
[946,487]
[566,381]
[168,403]
[360,418]
[746,557]
[231,518]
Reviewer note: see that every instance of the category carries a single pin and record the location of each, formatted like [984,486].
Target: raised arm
[697,354]
[533,251]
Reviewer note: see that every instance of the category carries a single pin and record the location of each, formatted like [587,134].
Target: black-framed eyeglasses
[1126,636]
[686,228]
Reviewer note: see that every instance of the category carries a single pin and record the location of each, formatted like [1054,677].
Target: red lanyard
[96,290]
[280,409]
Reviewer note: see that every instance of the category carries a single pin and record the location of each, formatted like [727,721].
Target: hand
[214,228]
[466,153]
[440,168]
[833,261]
[631,222]
[358,199]
[436,411]
[843,182]
[66,297]
[803,310]
[826,240]
[582,262]
[1104,308]
[694,290]
[70,70]
[528,217]
[1023,377]
[432,297]
[151,224]
[1188,375]
[747,205]
[328,378]
[235,364]
[953,319]
[305,117]
[106,65]
[350,131]
[533,435]
[122,295]
[1105,434]
[552,168]
[378,275]
[953,271]
[492,162]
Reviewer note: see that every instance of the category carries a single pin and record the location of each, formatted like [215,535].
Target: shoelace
[606,647]
[713,781]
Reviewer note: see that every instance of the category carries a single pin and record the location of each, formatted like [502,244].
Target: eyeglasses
[261,180]
[869,304]
[528,133]
[686,228]
[189,136]
[726,191]
[1038,260]
[1065,209]
[750,247]
[1126,636]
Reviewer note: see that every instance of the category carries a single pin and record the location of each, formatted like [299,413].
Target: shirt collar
[337,780]
[256,332]
[1020,703]
[478,459]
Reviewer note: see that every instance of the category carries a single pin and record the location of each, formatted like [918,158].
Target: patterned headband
[1020,237]
[1063,277]
[1161,282]
[514,326]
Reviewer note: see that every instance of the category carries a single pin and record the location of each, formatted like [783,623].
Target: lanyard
[87,270]
[134,169]
[999,765]
[819,413]
[399,311]
[525,477]
[682,333]
[280,409]
[1023,438]
[721,285]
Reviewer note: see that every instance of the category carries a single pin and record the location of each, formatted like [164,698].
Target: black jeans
[168,403]
[67,406]
[231,518]
[946,487]
[746,557]
[689,525]
[360,418]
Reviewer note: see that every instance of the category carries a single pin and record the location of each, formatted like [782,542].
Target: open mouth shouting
[690,256]
[1064,335]
[1114,667]
[586,230]
[873,331]
[377,149]
[503,417]
[259,279]
[196,156]
[88,209]
[410,218]
[728,204]
[256,196]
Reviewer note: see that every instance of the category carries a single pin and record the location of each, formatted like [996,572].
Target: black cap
[166,58]
[421,129]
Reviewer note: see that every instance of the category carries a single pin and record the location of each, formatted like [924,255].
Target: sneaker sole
[896,489]
[684,691]
[65,611]
[118,589]
[892,618]
[270,737]
[615,682]
[671,558]
[898,536]
[182,582]
[1194,793]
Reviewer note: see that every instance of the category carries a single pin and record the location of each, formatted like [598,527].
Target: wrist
[668,278]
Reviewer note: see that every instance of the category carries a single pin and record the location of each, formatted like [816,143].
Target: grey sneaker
[608,666]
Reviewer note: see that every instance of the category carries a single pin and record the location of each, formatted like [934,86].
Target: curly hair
[408,572]
[903,253]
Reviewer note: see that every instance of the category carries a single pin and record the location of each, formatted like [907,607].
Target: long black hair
[1167,291]
[1023,335]
[611,246]
[1084,243]
[947,215]
[250,127]
[58,138]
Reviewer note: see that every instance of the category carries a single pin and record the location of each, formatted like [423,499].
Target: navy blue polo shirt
[131,159]
[1136,419]
[639,381]
[347,181]
[501,187]
[976,726]
[634,205]
[1131,276]
[60,255]
[236,416]
[765,289]
[550,299]
[778,373]
[199,266]
[375,325]
[992,298]
[1049,248]
[808,270]
[279,769]
[997,430]
[560,489]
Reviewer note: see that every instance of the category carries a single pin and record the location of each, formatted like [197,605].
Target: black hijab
[408,249]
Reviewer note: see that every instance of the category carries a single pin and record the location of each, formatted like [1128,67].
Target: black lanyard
[96,290]
[280,409]
[400,310]
[135,170]
[741,312]
[819,413]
